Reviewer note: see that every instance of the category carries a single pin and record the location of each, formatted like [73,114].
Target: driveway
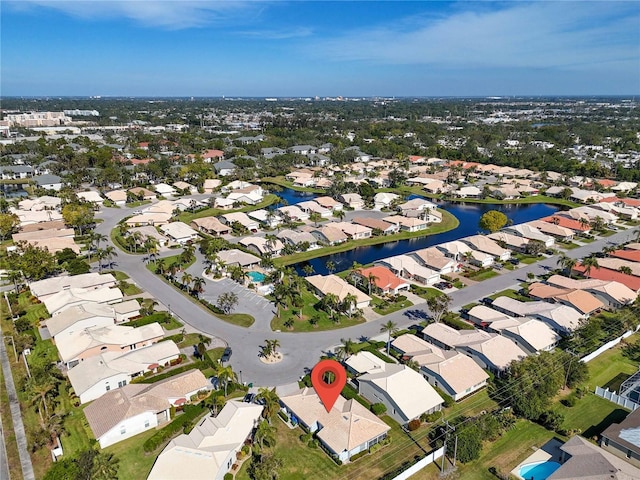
[301,351]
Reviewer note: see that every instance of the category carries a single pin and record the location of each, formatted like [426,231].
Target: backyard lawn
[511,294]
[425,292]
[611,368]
[384,307]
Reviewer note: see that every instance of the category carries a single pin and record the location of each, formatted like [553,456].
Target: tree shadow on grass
[616,416]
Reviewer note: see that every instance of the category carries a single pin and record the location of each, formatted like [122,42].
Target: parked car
[514,261]
[249,398]
[226,355]
[487,301]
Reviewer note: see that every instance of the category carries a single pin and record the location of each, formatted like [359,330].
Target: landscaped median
[449,222]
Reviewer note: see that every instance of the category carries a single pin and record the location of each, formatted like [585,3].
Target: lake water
[467,213]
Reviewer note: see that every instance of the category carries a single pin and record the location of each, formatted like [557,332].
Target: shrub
[358,455]
[414,425]
[569,401]
[378,408]
[431,417]
[228,476]
[552,420]
[183,422]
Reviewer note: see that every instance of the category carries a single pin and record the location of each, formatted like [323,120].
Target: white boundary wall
[617,399]
[606,347]
[430,458]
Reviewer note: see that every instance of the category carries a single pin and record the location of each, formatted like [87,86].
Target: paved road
[302,351]
[16,416]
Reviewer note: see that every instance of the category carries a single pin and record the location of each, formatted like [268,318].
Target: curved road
[301,351]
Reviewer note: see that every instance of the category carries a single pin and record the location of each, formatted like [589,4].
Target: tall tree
[438,305]
[493,220]
[390,328]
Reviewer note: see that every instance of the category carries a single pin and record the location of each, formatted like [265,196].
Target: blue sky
[300,48]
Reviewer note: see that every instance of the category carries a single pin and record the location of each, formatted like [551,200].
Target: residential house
[353,200]
[484,244]
[345,430]
[262,246]
[384,200]
[152,219]
[165,190]
[312,207]
[326,284]
[405,393]
[211,184]
[329,203]
[453,372]
[180,232]
[581,300]
[531,233]
[268,218]
[240,217]
[303,149]
[384,280]
[76,346]
[352,230]
[408,267]
[48,182]
[419,205]
[224,168]
[81,317]
[28,217]
[406,223]
[329,235]
[623,439]
[110,370]
[210,449]
[468,192]
[43,289]
[141,234]
[567,222]
[581,459]
[119,197]
[142,193]
[295,238]
[612,294]
[561,318]
[616,263]
[71,297]
[185,187]
[532,336]
[630,281]
[436,260]
[238,257]
[91,196]
[364,362]
[512,242]
[293,213]
[456,250]
[251,195]
[135,408]
[210,226]
[562,234]
[45,202]
[376,224]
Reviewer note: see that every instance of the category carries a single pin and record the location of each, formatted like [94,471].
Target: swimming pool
[538,471]
[256,277]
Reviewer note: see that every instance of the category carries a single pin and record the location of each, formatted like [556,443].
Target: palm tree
[289,324]
[274,346]
[271,402]
[15,276]
[349,301]
[315,217]
[339,214]
[345,350]
[371,279]
[412,364]
[588,263]
[198,285]
[391,328]
[609,249]
[187,278]
[308,269]
[330,302]
[625,269]
[265,435]
[567,263]
[105,466]
[110,252]
[226,375]
[161,266]
[331,266]
[96,238]
[137,239]
[41,388]
[101,254]
[314,321]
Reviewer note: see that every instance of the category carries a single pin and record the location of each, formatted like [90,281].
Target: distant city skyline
[305,49]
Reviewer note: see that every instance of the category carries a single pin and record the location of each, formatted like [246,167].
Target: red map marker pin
[328,392]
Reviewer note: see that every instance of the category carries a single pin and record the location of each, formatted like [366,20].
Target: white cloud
[282,34]
[168,14]
[522,35]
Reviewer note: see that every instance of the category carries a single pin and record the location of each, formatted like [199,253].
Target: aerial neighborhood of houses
[168,287]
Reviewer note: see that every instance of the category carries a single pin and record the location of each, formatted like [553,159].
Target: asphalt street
[301,351]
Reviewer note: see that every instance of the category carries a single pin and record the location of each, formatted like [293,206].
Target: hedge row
[159,317]
[191,412]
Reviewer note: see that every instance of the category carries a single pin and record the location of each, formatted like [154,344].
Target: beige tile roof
[115,406]
[73,315]
[485,244]
[336,285]
[459,371]
[53,285]
[345,427]
[407,388]
[76,296]
[433,258]
[500,351]
[536,333]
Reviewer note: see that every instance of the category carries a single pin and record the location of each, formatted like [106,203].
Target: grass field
[425,292]
[511,294]
[378,305]
[240,319]
[187,217]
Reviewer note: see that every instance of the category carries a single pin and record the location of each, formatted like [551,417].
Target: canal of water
[467,213]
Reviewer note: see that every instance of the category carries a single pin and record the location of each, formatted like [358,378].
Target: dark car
[249,398]
[487,301]
[416,328]
[226,355]
[514,261]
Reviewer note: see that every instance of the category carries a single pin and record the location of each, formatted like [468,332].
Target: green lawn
[425,292]
[138,203]
[240,319]
[606,233]
[309,310]
[215,354]
[487,274]
[130,289]
[134,464]
[567,245]
[301,461]
[591,415]
[189,340]
[385,308]
[187,217]
[611,366]
[511,294]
